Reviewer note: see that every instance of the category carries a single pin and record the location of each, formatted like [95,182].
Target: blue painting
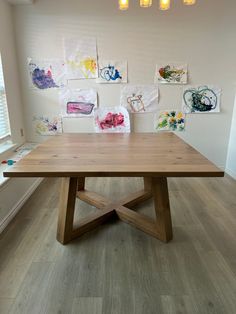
[111,72]
[46,74]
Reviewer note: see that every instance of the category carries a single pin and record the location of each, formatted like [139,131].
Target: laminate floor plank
[14,272]
[198,283]
[5,305]
[118,269]
[222,278]
[178,304]
[91,269]
[62,285]
[11,238]
[87,306]
[34,290]
[34,208]
[49,250]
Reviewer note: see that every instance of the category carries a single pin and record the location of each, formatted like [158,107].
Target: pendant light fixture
[164,4]
[189,2]
[123,5]
[145,3]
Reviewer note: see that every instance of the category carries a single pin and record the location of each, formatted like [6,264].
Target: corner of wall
[231,156]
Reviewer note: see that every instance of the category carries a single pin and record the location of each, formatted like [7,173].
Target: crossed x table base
[155,187]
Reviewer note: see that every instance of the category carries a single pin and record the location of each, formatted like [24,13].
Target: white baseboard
[231,173]
[4,223]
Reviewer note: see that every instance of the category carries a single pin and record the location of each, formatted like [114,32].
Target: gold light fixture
[189,2]
[145,3]
[123,5]
[164,5]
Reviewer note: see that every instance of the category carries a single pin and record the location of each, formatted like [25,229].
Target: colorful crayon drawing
[112,120]
[170,120]
[172,74]
[139,99]
[78,102]
[201,99]
[81,58]
[136,103]
[47,126]
[112,72]
[46,74]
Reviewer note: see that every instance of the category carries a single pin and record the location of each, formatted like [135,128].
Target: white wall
[10,69]
[13,193]
[202,35]
[231,161]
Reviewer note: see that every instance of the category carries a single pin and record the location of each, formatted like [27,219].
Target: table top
[114,155]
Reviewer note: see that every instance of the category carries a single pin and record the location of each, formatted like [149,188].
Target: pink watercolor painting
[79,108]
[112,120]
[78,103]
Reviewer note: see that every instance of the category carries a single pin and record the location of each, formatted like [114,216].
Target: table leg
[162,208]
[66,229]
[160,228]
[147,182]
[69,187]
[81,184]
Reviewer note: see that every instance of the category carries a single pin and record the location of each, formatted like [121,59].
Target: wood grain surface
[112,155]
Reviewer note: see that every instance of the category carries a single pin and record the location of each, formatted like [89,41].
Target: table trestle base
[155,187]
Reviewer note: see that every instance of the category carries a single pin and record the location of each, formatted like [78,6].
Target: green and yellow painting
[170,120]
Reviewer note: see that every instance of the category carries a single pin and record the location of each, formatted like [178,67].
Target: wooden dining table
[154,157]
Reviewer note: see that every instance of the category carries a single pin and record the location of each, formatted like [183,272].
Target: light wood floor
[118,269]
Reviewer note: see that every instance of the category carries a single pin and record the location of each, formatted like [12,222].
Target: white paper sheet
[170,120]
[112,120]
[45,125]
[201,99]
[46,74]
[81,58]
[112,72]
[140,98]
[78,102]
[171,73]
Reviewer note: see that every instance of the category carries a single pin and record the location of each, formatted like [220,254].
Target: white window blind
[4,118]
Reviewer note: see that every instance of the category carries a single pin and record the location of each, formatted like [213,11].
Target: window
[4,117]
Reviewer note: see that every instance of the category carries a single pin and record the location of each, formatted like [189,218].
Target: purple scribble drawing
[52,126]
[79,107]
[42,79]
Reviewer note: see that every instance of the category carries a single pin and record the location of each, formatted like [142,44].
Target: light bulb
[145,3]
[189,2]
[123,4]
[164,4]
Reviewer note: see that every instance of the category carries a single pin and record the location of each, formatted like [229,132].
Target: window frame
[7,139]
